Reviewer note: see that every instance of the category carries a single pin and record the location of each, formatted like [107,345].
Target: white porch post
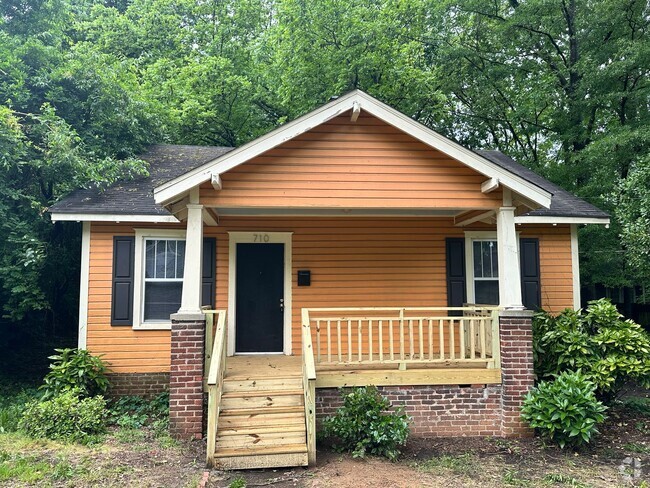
[508,250]
[191,297]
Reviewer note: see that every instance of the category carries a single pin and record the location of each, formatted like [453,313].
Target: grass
[639,405]
[463,464]
[563,479]
[637,447]
[512,477]
[238,482]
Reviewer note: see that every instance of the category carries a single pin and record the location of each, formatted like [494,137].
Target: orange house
[352,246]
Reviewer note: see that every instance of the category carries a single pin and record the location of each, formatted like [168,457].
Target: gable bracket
[216,181]
[490,185]
[356,110]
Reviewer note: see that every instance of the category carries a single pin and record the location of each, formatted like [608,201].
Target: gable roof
[133,200]
[355,100]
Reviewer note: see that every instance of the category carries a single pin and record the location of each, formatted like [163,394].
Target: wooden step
[235,420]
[262,400]
[262,429]
[240,385]
[252,413]
[246,442]
[262,460]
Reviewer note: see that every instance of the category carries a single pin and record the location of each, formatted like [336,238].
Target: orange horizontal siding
[344,164]
[354,262]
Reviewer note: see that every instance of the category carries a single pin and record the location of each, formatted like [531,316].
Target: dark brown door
[260,298]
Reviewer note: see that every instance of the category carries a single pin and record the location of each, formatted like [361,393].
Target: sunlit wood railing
[215,361]
[403,336]
[309,386]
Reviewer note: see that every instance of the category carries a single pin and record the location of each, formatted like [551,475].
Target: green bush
[75,369]
[610,351]
[66,417]
[564,410]
[13,397]
[134,412]
[365,424]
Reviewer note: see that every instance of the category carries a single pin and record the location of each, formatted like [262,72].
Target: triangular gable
[355,101]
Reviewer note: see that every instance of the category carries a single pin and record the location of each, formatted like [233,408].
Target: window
[486,271]
[163,278]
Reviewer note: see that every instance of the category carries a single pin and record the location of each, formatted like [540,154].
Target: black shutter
[531,292]
[122,296]
[209,272]
[456,288]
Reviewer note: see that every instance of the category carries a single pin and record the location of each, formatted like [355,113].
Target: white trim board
[254,238]
[83,288]
[541,219]
[80,217]
[575,266]
[138,277]
[167,192]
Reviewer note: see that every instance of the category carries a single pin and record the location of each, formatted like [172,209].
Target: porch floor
[263,366]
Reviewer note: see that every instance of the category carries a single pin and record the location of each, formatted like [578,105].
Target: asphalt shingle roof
[166,162]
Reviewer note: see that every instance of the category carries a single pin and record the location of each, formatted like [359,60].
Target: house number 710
[261,238]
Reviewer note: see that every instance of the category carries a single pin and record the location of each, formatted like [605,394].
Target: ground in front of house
[139,458]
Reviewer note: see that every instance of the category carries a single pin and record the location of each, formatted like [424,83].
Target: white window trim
[470,237]
[138,279]
[250,238]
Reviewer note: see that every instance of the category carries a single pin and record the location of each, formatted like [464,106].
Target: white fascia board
[541,219]
[172,189]
[78,217]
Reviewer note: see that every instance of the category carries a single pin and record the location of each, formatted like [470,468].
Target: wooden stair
[261,421]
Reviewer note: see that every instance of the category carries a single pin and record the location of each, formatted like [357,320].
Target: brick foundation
[468,411]
[141,384]
[186,377]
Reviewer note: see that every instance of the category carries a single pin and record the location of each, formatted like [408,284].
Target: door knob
[281,304]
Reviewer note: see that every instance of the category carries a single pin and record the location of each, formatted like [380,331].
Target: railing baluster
[452,340]
[482,334]
[441,332]
[318,358]
[411,341]
[329,341]
[401,334]
[369,340]
[349,340]
[421,351]
[360,344]
[338,339]
[381,341]
[461,334]
[472,344]
[430,339]
[390,339]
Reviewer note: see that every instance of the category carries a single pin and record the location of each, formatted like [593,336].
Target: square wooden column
[508,249]
[191,296]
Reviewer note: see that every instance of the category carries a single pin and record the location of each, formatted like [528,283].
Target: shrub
[13,397]
[66,417]
[135,412]
[365,424]
[75,369]
[610,351]
[564,410]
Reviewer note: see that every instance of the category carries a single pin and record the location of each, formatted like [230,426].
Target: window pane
[161,299]
[160,259]
[170,260]
[478,256]
[494,261]
[149,259]
[180,258]
[486,292]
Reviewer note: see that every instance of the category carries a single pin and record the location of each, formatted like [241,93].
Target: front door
[259,298]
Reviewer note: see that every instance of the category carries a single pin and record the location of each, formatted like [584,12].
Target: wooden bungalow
[348,247]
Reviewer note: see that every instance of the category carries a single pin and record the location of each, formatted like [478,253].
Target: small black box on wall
[304,277]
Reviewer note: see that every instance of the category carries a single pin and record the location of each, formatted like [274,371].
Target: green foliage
[78,370]
[564,410]
[238,482]
[13,397]
[608,350]
[66,417]
[134,412]
[640,405]
[366,424]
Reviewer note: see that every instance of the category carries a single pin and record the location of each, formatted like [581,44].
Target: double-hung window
[163,278]
[486,271]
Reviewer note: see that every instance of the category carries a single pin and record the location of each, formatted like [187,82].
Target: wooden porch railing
[309,386]
[402,336]
[215,366]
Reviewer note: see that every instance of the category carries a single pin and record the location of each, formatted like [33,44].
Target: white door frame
[258,237]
